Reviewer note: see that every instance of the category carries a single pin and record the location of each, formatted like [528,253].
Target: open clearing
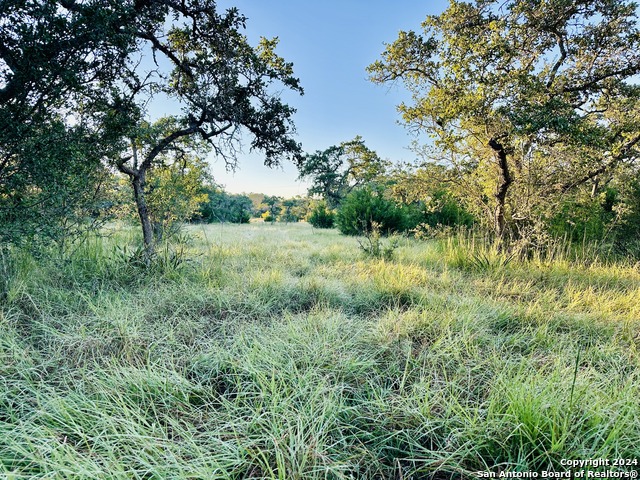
[273,351]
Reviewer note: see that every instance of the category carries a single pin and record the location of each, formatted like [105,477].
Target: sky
[330,44]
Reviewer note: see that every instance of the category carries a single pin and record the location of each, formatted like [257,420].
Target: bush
[225,207]
[627,233]
[364,206]
[584,218]
[321,216]
[443,209]
[373,246]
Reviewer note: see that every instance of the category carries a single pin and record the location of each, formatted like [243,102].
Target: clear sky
[330,43]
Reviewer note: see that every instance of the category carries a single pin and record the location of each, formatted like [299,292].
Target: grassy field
[273,351]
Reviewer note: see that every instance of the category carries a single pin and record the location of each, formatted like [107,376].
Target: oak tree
[96,67]
[523,92]
[53,63]
[224,86]
[336,171]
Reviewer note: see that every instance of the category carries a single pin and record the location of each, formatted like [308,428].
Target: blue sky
[330,44]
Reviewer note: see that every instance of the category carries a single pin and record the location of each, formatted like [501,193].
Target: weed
[374,246]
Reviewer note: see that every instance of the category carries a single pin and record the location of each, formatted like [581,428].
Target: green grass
[271,351]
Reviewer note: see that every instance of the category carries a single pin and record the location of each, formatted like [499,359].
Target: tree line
[525,113]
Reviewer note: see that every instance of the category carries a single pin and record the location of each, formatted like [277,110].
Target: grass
[270,351]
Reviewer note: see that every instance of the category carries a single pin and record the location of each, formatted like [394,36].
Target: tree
[535,95]
[274,206]
[82,60]
[223,85]
[293,209]
[256,199]
[51,185]
[52,61]
[299,208]
[337,170]
[287,215]
[431,201]
[224,207]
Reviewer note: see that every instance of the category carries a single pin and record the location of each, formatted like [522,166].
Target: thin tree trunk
[504,183]
[143,212]
[594,188]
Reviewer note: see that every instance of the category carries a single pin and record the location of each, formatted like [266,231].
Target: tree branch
[558,64]
[207,135]
[630,70]
[165,142]
[124,168]
[603,168]
[157,44]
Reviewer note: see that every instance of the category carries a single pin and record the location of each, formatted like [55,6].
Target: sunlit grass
[272,351]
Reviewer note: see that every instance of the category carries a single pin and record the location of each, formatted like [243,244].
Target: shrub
[627,233]
[364,206]
[608,221]
[444,210]
[321,216]
[584,218]
[373,246]
[175,193]
[225,207]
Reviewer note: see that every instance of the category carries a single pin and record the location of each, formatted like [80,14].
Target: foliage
[339,169]
[56,63]
[170,259]
[267,217]
[273,205]
[425,189]
[373,246]
[441,208]
[366,205]
[434,207]
[224,86]
[256,199]
[583,218]
[272,208]
[627,232]
[79,61]
[321,216]
[526,100]
[51,186]
[176,191]
[610,217]
[294,209]
[224,207]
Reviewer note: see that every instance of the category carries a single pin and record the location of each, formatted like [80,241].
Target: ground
[282,351]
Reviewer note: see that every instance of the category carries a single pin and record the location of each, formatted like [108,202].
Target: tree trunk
[143,213]
[594,188]
[504,183]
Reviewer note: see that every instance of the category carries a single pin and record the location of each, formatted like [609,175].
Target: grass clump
[281,352]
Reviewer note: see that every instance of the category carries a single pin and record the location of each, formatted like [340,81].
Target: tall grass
[283,352]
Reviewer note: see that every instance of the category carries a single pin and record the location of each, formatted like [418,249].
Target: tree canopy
[334,172]
[534,92]
[82,64]
[54,63]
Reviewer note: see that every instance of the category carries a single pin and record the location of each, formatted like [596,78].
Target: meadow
[284,352]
